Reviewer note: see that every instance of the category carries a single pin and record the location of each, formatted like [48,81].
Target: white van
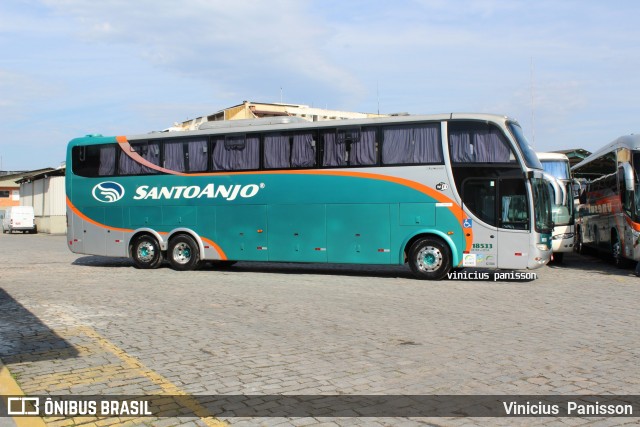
[19,218]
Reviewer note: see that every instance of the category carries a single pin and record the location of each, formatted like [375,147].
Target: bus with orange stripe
[608,214]
[436,192]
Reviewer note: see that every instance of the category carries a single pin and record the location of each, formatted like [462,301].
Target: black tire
[145,252]
[558,257]
[616,253]
[579,245]
[183,253]
[430,258]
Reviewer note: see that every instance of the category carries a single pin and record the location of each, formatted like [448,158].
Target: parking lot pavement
[76,324]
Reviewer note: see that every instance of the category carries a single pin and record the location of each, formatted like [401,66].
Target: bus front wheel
[430,258]
[579,244]
[183,253]
[145,252]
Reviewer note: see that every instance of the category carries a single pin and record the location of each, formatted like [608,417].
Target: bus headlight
[562,236]
[542,247]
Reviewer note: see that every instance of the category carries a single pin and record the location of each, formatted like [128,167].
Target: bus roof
[552,156]
[259,125]
[277,123]
[632,142]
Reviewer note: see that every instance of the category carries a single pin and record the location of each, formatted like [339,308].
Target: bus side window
[412,144]
[186,155]
[471,142]
[236,152]
[197,155]
[334,149]
[107,163]
[94,160]
[303,151]
[364,151]
[148,151]
[277,151]
[289,150]
[174,156]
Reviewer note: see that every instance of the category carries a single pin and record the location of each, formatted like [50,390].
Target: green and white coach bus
[436,191]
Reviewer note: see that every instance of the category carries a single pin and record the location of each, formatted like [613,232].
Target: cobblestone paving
[74,324]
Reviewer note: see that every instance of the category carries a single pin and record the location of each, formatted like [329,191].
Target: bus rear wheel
[146,253]
[183,253]
[430,258]
[616,252]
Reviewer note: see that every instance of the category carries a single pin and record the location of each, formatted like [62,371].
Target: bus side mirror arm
[629,179]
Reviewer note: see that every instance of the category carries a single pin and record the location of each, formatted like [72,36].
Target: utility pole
[533,124]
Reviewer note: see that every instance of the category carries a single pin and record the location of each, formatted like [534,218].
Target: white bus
[562,239]
[437,192]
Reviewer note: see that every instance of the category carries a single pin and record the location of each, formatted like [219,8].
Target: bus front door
[479,198]
[501,232]
[513,224]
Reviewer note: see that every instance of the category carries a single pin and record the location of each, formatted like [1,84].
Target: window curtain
[334,152]
[277,151]
[237,158]
[220,156]
[197,151]
[174,156]
[479,146]
[303,152]
[127,166]
[460,147]
[149,152]
[411,145]
[363,152]
[426,145]
[490,147]
[107,164]
[395,145]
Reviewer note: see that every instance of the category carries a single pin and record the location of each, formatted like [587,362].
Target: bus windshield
[528,153]
[562,204]
[557,168]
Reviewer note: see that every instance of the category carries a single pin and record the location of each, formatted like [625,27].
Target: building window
[4,193]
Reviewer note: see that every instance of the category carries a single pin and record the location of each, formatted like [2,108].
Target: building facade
[45,191]
[256,110]
[9,190]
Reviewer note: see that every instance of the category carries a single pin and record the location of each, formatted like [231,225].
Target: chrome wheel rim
[429,259]
[146,252]
[617,249]
[182,253]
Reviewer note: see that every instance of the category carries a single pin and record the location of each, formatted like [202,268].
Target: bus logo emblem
[108,192]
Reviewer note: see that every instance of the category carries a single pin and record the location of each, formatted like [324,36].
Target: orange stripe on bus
[223,256]
[128,230]
[96,223]
[126,149]
[455,209]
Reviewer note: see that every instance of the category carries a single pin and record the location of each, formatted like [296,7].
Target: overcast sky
[568,71]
